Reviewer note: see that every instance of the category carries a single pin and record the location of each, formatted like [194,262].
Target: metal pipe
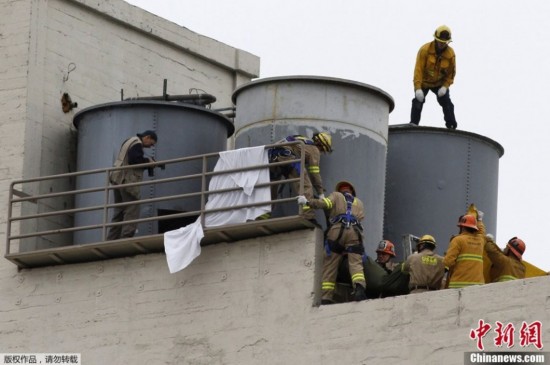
[230,108]
[199,99]
[232,111]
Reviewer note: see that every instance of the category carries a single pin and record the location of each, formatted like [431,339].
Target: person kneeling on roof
[385,254]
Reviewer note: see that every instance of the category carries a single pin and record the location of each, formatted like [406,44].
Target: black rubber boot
[360,293]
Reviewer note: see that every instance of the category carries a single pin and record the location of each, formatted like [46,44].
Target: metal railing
[409,243]
[46,212]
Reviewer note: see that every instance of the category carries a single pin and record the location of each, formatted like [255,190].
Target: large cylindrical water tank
[182,129]
[355,114]
[433,175]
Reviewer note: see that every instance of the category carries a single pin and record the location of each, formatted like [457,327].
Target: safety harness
[298,137]
[276,152]
[346,221]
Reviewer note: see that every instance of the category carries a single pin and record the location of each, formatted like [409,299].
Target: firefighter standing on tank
[435,71]
[344,237]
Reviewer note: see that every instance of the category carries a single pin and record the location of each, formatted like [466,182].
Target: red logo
[529,334]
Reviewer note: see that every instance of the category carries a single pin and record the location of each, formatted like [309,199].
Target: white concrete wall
[248,302]
[112,46]
[14,46]
[92,50]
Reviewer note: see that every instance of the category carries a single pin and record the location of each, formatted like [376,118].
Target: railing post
[203,190]
[303,171]
[8,228]
[105,210]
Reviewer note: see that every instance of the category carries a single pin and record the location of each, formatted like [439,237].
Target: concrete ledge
[151,244]
[248,302]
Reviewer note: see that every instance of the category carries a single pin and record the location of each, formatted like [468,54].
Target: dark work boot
[360,293]
[451,125]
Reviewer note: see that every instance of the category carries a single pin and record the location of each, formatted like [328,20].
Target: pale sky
[500,89]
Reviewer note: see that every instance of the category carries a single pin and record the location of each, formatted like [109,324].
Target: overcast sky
[500,90]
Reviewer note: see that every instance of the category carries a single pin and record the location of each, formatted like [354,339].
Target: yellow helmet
[427,239]
[324,140]
[443,34]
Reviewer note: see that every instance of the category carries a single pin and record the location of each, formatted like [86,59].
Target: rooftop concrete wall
[95,51]
[247,302]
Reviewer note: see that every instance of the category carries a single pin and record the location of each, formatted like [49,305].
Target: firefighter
[425,267]
[344,237]
[319,143]
[464,258]
[434,71]
[385,254]
[507,263]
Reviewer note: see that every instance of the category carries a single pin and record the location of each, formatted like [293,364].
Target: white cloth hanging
[235,159]
[183,245]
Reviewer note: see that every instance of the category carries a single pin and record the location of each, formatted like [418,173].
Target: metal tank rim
[435,130]
[229,125]
[373,89]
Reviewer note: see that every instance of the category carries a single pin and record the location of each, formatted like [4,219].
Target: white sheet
[182,245]
[234,159]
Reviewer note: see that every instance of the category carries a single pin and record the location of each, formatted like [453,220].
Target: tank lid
[304,78]
[406,128]
[154,104]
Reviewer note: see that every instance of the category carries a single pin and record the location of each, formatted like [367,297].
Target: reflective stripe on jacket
[336,204]
[312,159]
[464,260]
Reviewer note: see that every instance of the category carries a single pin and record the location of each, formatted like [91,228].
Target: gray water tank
[355,114]
[182,129]
[433,175]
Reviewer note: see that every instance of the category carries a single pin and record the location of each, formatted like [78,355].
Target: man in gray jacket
[131,153]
